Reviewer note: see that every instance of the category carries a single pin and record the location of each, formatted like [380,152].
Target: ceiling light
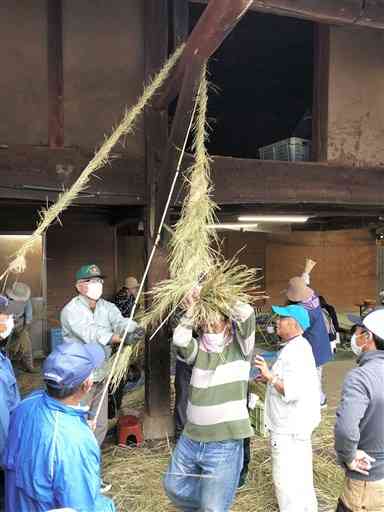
[233,225]
[288,219]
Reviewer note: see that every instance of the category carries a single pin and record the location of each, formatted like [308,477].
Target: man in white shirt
[292,411]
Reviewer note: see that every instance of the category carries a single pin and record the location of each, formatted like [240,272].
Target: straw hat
[298,291]
[131,282]
[19,291]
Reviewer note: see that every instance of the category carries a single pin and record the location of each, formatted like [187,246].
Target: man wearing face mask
[52,459]
[9,391]
[89,318]
[359,429]
[211,445]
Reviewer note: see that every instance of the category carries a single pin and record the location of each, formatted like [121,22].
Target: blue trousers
[204,476]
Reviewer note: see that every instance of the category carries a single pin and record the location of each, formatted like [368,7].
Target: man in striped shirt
[206,464]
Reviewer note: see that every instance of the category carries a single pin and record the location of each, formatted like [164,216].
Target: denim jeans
[204,476]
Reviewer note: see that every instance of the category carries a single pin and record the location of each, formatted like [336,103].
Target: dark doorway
[264,76]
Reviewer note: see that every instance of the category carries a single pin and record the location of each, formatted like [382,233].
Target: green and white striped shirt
[217,405]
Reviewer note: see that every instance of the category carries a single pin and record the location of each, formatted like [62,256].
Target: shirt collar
[56,405]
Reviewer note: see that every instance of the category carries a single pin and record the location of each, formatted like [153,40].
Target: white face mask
[356,349]
[95,290]
[10,324]
[213,342]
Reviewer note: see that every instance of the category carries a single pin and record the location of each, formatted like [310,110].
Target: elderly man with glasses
[91,319]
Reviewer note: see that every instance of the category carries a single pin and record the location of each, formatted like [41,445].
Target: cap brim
[96,353]
[355,319]
[280,310]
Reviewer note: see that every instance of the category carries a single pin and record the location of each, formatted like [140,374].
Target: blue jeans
[204,476]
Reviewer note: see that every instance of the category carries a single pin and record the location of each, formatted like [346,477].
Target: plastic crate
[290,150]
[56,337]
[256,417]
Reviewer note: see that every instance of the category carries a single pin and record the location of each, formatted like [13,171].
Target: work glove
[133,337]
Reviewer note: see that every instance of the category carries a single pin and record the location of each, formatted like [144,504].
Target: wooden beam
[158,422]
[243,181]
[37,173]
[180,21]
[237,181]
[320,92]
[366,13]
[214,25]
[55,74]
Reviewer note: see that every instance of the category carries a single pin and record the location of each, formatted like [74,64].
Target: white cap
[374,322]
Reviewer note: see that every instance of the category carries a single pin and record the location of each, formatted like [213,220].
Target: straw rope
[100,159]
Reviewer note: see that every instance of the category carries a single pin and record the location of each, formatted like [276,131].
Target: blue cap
[71,363]
[299,313]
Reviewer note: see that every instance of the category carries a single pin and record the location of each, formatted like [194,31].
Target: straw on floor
[136,473]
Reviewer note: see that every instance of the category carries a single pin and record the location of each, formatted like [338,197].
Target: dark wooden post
[320,93]
[158,422]
[55,74]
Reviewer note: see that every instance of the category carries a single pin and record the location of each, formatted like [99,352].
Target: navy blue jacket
[318,337]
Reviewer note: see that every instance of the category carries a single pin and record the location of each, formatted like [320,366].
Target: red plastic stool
[129,427]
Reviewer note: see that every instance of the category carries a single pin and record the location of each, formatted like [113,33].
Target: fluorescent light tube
[287,219]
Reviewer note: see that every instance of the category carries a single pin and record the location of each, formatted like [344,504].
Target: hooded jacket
[317,333]
[360,416]
[52,459]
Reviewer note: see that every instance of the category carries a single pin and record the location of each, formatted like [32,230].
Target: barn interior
[78,65]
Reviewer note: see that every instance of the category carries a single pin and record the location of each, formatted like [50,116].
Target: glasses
[93,280]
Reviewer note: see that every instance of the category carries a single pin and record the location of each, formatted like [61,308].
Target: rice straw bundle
[194,249]
[100,159]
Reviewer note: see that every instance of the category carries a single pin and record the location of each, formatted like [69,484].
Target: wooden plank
[215,24]
[320,92]
[237,181]
[157,353]
[55,74]
[243,181]
[368,13]
[37,173]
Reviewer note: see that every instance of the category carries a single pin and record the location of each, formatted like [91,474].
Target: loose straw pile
[136,473]
[18,264]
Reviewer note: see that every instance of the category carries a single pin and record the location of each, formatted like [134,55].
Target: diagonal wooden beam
[215,24]
[366,13]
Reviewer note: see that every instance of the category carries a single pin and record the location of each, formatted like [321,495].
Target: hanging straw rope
[119,364]
[194,247]
[100,159]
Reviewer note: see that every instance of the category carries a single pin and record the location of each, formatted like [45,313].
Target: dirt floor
[136,473]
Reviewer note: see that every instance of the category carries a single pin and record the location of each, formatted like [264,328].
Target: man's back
[52,459]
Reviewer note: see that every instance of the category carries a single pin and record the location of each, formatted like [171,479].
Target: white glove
[333,346]
[132,326]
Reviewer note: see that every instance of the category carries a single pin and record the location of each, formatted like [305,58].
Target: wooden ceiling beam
[368,13]
[40,173]
[248,181]
[237,181]
[215,24]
